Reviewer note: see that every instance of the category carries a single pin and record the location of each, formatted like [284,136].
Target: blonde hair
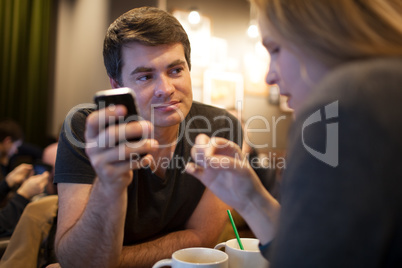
[336,31]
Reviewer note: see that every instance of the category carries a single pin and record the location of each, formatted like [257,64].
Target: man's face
[160,77]
[9,147]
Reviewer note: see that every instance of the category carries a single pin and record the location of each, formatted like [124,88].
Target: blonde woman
[340,64]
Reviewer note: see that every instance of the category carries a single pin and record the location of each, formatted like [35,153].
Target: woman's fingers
[208,149]
[195,170]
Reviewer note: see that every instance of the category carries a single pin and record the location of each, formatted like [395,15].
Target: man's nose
[164,87]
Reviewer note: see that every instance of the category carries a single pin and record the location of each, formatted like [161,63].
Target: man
[130,212]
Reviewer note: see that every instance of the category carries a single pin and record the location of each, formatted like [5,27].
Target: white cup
[249,257]
[195,258]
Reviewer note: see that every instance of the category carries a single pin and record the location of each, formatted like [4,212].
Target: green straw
[235,230]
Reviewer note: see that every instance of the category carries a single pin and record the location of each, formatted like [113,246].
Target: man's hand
[108,147]
[34,185]
[18,175]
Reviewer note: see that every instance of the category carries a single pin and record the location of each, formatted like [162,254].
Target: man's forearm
[148,253]
[96,239]
[202,230]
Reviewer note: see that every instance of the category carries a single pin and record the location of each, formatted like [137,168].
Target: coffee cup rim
[244,239]
[226,256]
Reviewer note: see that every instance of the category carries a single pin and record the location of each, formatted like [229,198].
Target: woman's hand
[221,166]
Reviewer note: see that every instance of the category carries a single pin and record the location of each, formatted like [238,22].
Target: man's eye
[144,77]
[177,70]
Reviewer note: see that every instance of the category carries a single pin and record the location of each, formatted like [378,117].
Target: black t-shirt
[156,206]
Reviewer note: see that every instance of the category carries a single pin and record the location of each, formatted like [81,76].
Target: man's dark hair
[10,128]
[149,26]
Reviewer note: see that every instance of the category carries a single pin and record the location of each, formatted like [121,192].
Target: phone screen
[39,168]
[123,96]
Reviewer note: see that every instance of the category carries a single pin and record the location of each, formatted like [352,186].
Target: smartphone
[40,167]
[124,96]
[119,96]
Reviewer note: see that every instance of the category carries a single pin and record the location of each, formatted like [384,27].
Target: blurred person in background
[49,158]
[32,242]
[11,137]
[28,187]
[17,187]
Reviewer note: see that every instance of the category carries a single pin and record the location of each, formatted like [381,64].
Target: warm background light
[252,31]
[194,17]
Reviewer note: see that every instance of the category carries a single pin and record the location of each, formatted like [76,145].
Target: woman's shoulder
[365,93]
[370,74]
[374,82]
[378,69]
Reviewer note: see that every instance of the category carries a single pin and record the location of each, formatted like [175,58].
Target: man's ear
[6,142]
[114,83]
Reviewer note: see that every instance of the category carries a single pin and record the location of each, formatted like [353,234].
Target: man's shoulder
[213,121]
[215,116]
[77,116]
[200,108]
[82,110]
[73,127]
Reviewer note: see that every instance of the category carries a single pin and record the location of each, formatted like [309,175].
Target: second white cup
[195,258]
[249,257]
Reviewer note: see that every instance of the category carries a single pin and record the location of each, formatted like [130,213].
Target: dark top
[11,213]
[3,172]
[345,213]
[27,153]
[267,175]
[156,206]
